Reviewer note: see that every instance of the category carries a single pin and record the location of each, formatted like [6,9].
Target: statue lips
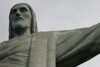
[18,18]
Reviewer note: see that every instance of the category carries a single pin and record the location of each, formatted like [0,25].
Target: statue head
[29,17]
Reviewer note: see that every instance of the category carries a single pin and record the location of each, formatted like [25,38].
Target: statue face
[20,16]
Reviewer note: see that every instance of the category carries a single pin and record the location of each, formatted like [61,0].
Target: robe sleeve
[77,46]
[14,52]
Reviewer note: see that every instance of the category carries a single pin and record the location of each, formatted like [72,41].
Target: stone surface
[51,46]
[29,48]
[51,49]
[38,55]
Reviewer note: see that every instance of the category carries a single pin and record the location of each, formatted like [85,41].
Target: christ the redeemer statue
[27,47]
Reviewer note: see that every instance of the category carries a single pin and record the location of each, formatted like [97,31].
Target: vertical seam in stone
[28,60]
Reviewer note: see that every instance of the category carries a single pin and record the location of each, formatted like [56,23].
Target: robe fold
[67,48]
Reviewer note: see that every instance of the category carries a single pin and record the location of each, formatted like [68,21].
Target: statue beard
[20,28]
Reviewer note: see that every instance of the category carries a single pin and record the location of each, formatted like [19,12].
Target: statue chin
[20,27]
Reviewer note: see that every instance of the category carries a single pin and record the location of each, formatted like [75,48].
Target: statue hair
[33,27]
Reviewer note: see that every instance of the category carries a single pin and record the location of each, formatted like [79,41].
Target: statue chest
[37,51]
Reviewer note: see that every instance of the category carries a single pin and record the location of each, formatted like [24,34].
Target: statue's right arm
[13,46]
[3,50]
[6,49]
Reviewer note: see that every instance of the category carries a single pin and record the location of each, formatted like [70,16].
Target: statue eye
[23,9]
[13,11]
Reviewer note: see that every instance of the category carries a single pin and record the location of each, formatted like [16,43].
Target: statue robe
[67,48]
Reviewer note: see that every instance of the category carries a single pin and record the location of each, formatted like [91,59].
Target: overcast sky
[57,15]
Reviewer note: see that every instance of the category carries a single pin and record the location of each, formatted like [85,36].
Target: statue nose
[17,13]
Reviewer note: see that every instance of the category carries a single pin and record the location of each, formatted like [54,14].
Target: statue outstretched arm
[13,46]
[3,51]
[77,46]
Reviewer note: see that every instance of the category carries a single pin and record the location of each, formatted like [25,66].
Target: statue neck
[21,31]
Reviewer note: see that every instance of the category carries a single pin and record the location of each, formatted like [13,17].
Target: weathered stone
[29,48]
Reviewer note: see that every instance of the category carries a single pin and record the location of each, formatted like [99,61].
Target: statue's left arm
[77,46]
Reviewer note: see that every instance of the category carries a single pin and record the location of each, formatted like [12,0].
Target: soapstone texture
[63,48]
[29,48]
